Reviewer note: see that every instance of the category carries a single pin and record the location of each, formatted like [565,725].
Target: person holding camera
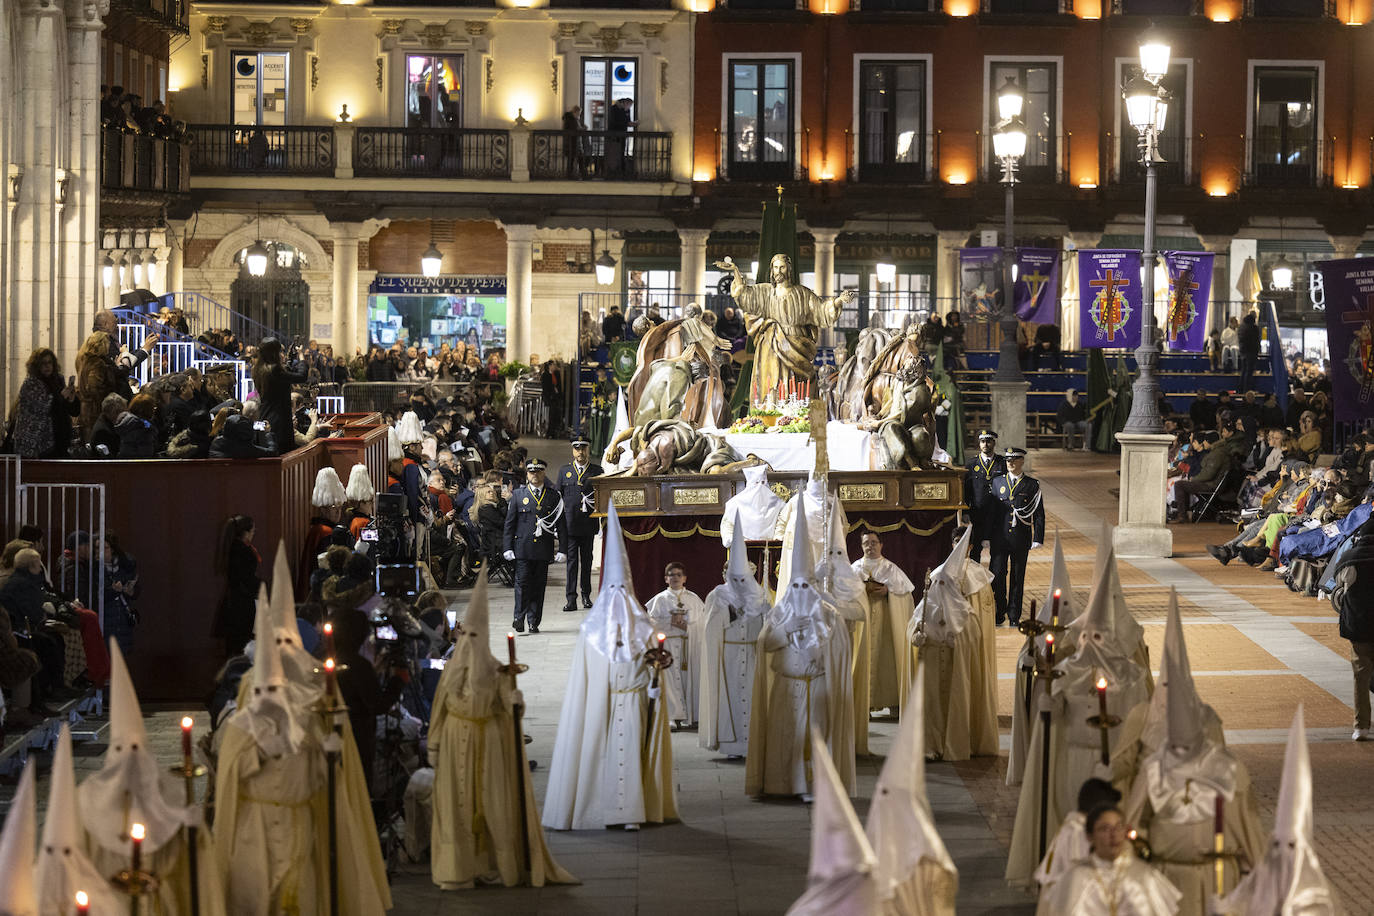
[272,378]
[535,535]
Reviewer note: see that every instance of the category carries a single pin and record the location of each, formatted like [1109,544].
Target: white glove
[560,557]
[509,554]
[1035,544]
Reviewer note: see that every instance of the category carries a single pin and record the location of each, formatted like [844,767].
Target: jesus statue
[784,321]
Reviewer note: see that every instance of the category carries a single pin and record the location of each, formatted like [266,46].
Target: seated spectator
[121,593]
[1202,411]
[1046,343]
[1309,435]
[238,439]
[137,431]
[1213,347]
[1230,345]
[18,667]
[1072,417]
[194,440]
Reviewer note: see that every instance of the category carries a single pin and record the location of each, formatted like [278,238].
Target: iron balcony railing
[172,15]
[390,152]
[231,149]
[601,154]
[1305,162]
[136,162]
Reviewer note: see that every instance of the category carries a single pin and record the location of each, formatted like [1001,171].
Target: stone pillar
[519,290]
[109,291]
[520,153]
[344,313]
[78,268]
[947,245]
[343,153]
[1220,246]
[158,265]
[1009,413]
[692,270]
[1141,531]
[824,268]
[176,260]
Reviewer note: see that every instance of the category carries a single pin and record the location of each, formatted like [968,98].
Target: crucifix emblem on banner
[1110,312]
[1035,282]
[1182,308]
[1360,357]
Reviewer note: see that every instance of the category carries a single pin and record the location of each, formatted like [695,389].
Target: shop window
[260,87]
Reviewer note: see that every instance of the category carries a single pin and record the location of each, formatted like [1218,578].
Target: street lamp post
[1147,104]
[1009,145]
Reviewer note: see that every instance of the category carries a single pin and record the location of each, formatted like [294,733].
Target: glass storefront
[417,311]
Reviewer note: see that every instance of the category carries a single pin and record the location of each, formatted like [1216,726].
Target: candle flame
[329,664]
[137,832]
[1131,834]
[1057,593]
[328,628]
[1102,683]
[82,899]
[661,637]
[186,723]
[510,635]
[1049,638]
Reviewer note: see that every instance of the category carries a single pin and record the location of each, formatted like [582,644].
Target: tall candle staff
[513,669]
[189,773]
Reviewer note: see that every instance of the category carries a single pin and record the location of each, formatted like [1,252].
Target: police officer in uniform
[574,482]
[1020,530]
[984,510]
[535,534]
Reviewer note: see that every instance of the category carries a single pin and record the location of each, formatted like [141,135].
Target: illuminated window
[892,141]
[260,87]
[434,90]
[761,120]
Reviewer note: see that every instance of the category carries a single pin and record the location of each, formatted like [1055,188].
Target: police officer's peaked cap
[987,434]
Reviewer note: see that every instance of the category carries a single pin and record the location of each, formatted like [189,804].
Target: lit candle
[510,646]
[1049,647]
[660,638]
[329,676]
[136,833]
[1102,698]
[1054,610]
[83,903]
[186,724]
[328,639]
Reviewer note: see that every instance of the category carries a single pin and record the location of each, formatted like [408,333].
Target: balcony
[407,152]
[170,15]
[1174,150]
[601,155]
[1156,7]
[227,149]
[138,162]
[1301,163]
[1026,7]
[1290,9]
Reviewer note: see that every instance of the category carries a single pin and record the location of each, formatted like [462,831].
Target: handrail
[229,149]
[204,313]
[638,155]
[423,152]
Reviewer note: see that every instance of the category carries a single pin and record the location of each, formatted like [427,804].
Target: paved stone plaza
[1256,649]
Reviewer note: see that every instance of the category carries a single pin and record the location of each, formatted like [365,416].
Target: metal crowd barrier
[60,510]
[368,397]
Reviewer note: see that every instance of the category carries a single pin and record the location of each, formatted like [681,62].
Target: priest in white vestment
[754,508]
[953,628]
[677,613]
[730,630]
[891,602]
[482,782]
[843,589]
[63,866]
[802,682]
[1173,799]
[1075,747]
[612,762]
[1071,842]
[1023,697]
[1110,879]
[19,890]
[840,879]
[915,874]
[132,787]
[1288,879]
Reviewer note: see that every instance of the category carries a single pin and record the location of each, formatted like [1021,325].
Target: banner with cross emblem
[1109,297]
[1190,286]
[1037,285]
[1349,289]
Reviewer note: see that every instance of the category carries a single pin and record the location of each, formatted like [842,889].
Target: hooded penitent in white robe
[1129,634]
[915,874]
[1124,887]
[305,687]
[802,682]
[132,787]
[843,589]
[63,866]
[679,681]
[612,763]
[1172,801]
[953,628]
[840,878]
[820,505]
[730,630]
[1147,725]
[890,655]
[1288,879]
[754,509]
[1075,746]
[1023,698]
[19,891]
[482,780]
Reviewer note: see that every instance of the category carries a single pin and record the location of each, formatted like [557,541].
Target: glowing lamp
[605,268]
[431,262]
[256,259]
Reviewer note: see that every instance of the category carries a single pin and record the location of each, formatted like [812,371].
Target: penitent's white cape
[1125,887]
[1288,880]
[840,878]
[915,874]
[729,633]
[953,628]
[18,892]
[754,509]
[63,866]
[612,763]
[679,681]
[482,779]
[1023,700]
[814,497]
[891,658]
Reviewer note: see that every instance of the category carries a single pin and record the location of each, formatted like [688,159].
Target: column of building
[692,270]
[78,270]
[823,239]
[519,290]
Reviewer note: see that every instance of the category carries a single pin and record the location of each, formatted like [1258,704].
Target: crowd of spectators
[125,112]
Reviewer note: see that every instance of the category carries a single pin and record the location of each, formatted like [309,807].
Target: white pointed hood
[1059,579]
[800,607]
[271,715]
[1182,705]
[617,626]
[298,664]
[129,778]
[395,451]
[900,824]
[18,892]
[409,428]
[1293,815]
[840,877]
[741,589]
[1156,728]
[329,489]
[63,866]
[755,508]
[360,488]
[472,659]
[622,424]
[1118,623]
[845,586]
[945,609]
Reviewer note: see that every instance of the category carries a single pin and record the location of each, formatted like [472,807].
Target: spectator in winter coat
[137,431]
[42,420]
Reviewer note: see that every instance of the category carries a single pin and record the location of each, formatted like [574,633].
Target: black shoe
[1254,556]
[586,602]
[518,626]
[570,606]
[1222,553]
[1000,621]
[533,629]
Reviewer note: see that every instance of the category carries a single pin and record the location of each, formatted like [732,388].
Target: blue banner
[1278,366]
[1190,287]
[980,280]
[1349,287]
[1109,297]
[1037,285]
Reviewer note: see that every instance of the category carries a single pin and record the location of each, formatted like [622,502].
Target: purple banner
[1037,285]
[1349,287]
[1190,287]
[980,280]
[1109,297]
